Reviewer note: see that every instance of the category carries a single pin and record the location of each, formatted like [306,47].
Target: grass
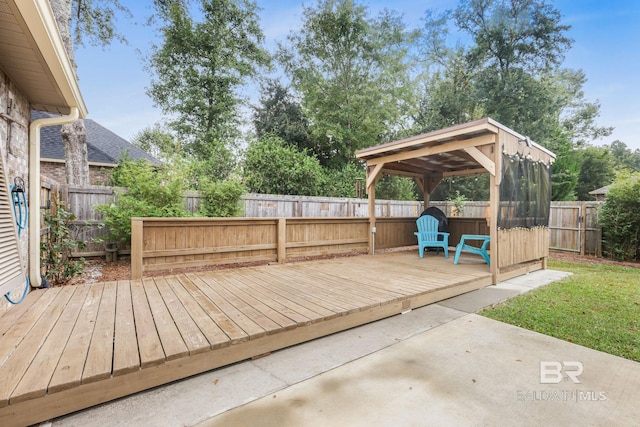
[596,307]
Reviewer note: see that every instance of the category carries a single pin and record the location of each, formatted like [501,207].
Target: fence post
[136,248]
[282,240]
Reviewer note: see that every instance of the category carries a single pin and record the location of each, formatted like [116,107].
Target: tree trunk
[74,135]
[74,138]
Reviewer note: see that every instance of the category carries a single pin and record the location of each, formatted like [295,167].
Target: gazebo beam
[442,135]
[465,172]
[429,151]
[372,176]
[481,158]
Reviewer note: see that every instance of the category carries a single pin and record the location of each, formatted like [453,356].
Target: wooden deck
[69,348]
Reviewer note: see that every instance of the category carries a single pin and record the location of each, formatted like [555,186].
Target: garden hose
[20,208]
[21,213]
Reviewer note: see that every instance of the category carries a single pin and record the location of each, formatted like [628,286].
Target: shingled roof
[103,146]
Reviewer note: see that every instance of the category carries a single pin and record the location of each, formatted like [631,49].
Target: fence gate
[565,232]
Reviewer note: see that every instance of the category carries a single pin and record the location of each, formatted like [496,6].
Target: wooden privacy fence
[176,243]
[164,243]
[573,225]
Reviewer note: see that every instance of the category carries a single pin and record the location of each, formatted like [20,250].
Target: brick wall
[14,146]
[98,175]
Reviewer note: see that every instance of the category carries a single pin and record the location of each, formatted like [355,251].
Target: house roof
[34,58]
[103,146]
[601,190]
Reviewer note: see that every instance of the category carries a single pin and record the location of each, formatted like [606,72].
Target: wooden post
[282,240]
[582,217]
[426,191]
[495,180]
[371,192]
[137,246]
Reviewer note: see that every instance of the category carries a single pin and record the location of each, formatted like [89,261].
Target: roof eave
[37,18]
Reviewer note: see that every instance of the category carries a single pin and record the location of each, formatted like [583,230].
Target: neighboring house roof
[601,190]
[103,146]
[604,190]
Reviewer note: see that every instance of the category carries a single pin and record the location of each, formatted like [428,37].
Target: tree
[279,114]
[449,96]
[511,71]
[620,219]
[625,158]
[80,20]
[395,188]
[273,167]
[158,142]
[197,72]
[473,187]
[352,72]
[596,170]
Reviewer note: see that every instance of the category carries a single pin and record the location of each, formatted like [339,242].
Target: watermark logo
[552,372]
[555,372]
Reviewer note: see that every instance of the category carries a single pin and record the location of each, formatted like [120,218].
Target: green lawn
[597,307]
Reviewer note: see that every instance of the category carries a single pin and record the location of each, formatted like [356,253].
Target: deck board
[20,327]
[233,285]
[172,343]
[15,367]
[126,357]
[107,340]
[68,372]
[150,348]
[36,379]
[100,355]
[297,313]
[195,341]
[227,332]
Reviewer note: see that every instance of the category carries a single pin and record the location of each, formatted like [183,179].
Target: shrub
[221,199]
[57,244]
[149,192]
[620,219]
[272,167]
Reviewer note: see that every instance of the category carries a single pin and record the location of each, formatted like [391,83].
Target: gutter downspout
[34,189]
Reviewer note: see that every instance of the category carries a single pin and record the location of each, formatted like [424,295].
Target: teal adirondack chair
[428,235]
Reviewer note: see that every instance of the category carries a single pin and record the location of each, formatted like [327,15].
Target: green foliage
[198,71]
[625,158]
[158,142]
[596,307]
[273,167]
[511,72]
[94,20]
[57,245]
[148,192]
[564,176]
[222,198]
[473,187]
[342,182]
[279,114]
[620,219]
[395,188]
[458,201]
[596,170]
[352,73]
[513,33]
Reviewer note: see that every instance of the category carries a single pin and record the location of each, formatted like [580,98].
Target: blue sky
[606,47]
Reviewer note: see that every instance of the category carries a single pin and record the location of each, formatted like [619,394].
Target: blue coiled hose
[21,213]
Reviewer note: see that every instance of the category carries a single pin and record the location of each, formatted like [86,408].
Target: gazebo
[520,185]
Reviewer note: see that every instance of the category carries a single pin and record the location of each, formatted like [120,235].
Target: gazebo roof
[451,151]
